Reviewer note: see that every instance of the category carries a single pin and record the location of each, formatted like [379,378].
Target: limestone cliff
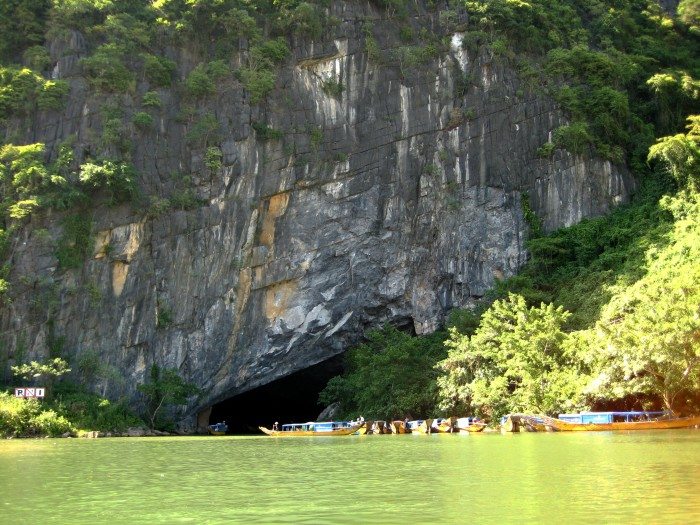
[394,200]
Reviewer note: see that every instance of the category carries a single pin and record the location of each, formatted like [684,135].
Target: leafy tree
[42,372]
[650,332]
[21,25]
[516,361]
[390,376]
[681,154]
[165,388]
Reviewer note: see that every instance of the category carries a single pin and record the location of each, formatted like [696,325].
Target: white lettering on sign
[30,392]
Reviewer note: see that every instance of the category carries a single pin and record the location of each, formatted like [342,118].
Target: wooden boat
[523,423]
[365,427]
[380,427]
[443,425]
[399,427]
[315,428]
[218,429]
[421,426]
[468,424]
[635,420]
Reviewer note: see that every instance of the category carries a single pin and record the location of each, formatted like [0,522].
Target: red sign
[29,392]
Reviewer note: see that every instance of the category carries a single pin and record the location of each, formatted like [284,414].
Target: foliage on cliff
[623,72]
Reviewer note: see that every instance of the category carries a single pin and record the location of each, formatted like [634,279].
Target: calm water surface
[635,477]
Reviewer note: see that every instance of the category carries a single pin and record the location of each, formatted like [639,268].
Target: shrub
[53,94]
[259,83]
[204,131]
[143,121]
[151,100]
[264,132]
[212,158]
[332,87]
[158,70]
[198,84]
[574,137]
[118,178]
[37,58]
[76,242]
[106,71]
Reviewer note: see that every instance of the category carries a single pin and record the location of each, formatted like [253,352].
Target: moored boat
[218,429]
[468,424]
[421,426]
[633,420]
[314,428]
[443,425]
[400,427]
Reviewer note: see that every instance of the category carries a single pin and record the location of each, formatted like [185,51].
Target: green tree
[165,388]
[390,376]
[42,373]
[516,361]
[650,331]
[681,154]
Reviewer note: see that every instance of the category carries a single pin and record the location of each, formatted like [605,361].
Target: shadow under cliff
[288,400]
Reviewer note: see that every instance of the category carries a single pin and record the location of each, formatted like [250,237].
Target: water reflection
[613,477]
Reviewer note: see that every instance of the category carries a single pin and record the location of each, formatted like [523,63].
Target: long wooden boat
[399,427]
[421,426]
[468,424]
[314,428]
[523,423]
[601,421]
[443,425]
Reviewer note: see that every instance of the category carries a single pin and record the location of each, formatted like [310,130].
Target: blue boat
[218,429]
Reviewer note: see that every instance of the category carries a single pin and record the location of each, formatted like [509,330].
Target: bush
[264,132]
[158,70]
[106,70]
[118,178]
[143,121]
[53,94]
[574,137]
[151,100]
[76,243]
[259,83]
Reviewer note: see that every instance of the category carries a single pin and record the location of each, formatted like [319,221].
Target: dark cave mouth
[291,399]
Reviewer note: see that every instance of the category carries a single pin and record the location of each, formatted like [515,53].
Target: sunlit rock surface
[394,201]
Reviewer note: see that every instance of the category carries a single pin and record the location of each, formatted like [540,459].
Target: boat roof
[616,413]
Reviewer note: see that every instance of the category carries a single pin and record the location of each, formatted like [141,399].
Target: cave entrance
[292,399]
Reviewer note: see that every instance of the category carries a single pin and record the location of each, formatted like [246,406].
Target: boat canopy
[610,417]
[317,426]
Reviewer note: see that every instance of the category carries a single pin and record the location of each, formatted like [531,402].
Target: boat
[443,425]
[468,424]
[379,427]
[421,426]
[315,428]
[633,420]
[523,423]
[218,429]
[399,427]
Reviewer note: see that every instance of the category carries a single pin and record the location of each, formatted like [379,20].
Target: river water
[634,477]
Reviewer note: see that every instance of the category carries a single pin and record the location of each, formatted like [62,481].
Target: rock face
[393,201]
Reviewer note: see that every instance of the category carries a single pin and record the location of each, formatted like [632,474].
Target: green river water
[633,477]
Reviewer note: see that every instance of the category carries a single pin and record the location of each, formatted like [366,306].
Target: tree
[39,372]
[391,376]
[166,387]
[681,154]
[650,332]
[518,360]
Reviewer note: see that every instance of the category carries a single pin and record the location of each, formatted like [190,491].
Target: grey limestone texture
[391,202]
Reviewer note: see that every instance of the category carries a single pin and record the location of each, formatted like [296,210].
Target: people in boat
[275,426]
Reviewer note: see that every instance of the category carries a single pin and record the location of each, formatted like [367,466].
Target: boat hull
[311,433]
